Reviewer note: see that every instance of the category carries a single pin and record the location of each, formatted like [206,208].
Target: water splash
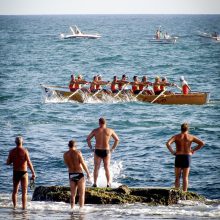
[116,169]
[50,96]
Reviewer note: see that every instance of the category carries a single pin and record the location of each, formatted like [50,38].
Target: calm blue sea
[31,53]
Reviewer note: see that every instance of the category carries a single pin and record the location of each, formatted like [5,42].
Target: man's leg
[177,177]
[81,191]
[97,162]
[185,178]
[24,187]
[106,161]
[73,189]
[15,192]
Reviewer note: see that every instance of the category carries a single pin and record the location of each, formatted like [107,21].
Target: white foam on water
[51,97]
[116,169]
[61,210]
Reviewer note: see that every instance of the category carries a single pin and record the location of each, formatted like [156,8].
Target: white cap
[182,78]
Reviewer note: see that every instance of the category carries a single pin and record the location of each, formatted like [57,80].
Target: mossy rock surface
[120,195]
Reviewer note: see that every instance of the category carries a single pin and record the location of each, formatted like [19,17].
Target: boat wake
[52,96]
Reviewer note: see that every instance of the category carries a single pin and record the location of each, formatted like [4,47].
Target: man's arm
[89,138]
[9,161]
[199,143]
[169,142]
[64,158]
[30,165]
[116,140]
[189,87]
[84,164]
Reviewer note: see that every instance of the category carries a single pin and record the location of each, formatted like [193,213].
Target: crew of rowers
[119,85]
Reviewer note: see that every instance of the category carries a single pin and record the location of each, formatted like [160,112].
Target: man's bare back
[183,143]
[102,137]
[19,158]
[73,160]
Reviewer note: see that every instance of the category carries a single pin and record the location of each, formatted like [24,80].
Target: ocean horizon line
[95,14]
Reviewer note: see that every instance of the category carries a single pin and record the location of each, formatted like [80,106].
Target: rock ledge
[120,195]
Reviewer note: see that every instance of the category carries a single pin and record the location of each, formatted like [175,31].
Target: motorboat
[214,36]
[76,33]
[163,37]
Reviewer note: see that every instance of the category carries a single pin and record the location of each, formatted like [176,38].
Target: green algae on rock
[120,195]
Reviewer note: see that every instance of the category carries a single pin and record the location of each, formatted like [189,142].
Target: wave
[60,210]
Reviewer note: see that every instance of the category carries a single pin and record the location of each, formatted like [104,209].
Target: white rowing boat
[76,33]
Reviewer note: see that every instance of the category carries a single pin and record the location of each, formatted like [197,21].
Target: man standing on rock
[20,159]
[75,163]
[102,151]
[183,154]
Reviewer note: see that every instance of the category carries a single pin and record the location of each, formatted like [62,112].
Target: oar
[158,96]
[73,94]
[123,87]
[59,87]
[99,90]
[179,88]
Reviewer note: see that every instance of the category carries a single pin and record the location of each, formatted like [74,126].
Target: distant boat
[76,33]
[163,38]
[214,36]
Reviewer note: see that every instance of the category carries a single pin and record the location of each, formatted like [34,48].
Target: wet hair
[72,143]
[18,140]
[102,121]
[135,77]
[143,78]
[184,127]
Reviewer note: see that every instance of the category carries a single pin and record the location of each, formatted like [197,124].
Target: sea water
[32,53]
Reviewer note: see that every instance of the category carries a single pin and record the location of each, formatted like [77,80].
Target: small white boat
[170,40]
[214,36]
[76,33]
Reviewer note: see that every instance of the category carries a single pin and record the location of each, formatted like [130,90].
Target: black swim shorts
[182,161]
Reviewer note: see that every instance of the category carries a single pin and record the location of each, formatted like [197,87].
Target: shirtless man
[20,159]
[183,154]
[75,163]
[102,148]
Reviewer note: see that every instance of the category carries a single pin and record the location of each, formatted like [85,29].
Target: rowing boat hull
[199,98]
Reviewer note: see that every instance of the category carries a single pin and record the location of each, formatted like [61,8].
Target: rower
[135,85]
[156,86]
[93,84]
[114,85]
[185,86]
[79,82]
[164,84]
[102,83]
[122,82]
[144,85]
[72,84]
